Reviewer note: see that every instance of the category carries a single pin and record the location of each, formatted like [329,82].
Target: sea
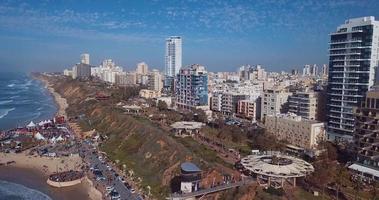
[22,99]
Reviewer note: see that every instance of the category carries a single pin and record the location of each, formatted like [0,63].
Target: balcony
[345,41]
[346,32]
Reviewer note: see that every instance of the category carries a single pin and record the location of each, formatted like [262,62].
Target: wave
[10,190]
[5,102]
[4,112]
[11,85]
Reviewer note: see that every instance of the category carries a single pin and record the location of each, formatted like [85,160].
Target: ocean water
[23,99]
[14,191]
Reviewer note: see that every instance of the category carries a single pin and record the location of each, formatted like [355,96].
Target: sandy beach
[59,100]
[42,167]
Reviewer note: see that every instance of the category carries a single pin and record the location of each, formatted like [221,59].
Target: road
[111,179]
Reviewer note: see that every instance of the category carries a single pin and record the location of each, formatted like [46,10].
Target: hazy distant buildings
[192,87]
[353,58]
[173,60]
[81,70]
[84,58]
[142,68]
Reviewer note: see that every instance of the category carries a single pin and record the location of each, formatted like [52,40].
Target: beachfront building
[295,130]
[366,136]
[192,87]
[273,102]
[81,70]
[108,71]
[354,55]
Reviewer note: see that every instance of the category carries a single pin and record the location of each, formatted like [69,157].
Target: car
[109,188]
[132,191]
[115,195]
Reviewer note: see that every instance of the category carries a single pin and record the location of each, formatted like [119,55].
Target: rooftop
[189,167]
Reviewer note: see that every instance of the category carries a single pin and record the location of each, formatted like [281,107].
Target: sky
[50,35]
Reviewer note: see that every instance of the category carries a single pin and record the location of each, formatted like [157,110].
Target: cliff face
[143,147]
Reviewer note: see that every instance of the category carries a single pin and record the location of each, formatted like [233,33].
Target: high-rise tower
[353,59]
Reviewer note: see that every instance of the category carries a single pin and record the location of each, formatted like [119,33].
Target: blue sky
[221,35]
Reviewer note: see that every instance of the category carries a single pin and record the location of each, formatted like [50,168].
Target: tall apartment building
[192,87]
[274,101]
[84,58]
[295,130]
[142,68]
[366,135]
[155,81]
[81,71]
[353,58]
[173,59]
[304,104]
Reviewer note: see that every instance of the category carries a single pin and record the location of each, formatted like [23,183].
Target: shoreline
[44,166]
[59,100]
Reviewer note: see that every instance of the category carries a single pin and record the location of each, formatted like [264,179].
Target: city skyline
[219,35]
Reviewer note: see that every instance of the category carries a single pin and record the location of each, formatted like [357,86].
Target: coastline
[42,167]
[59,100]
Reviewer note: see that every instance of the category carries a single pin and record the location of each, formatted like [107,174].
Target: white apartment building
[107,71]
[296,130]
[273,101]
[84,58]
[173,57]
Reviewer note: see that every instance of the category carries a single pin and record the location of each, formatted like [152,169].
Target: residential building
[142,68]
[229,102]
[249,109]
[307,70]
[192,87]
[84,58]
[81,70]
[324,70]
[155,81]
[274,101]
[295,130]
[304,104]
[173,60]
[353,59]
[67,72]
[366,135]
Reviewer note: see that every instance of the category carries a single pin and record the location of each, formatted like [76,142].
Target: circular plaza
[275,169]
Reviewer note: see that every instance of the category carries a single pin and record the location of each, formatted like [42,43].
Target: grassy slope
[136,142]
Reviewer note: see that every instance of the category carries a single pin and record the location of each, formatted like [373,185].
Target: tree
[200,116]
[162,105]
[342,178]
[374,191]
[323,174]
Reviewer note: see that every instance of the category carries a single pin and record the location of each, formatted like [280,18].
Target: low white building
[295,130]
